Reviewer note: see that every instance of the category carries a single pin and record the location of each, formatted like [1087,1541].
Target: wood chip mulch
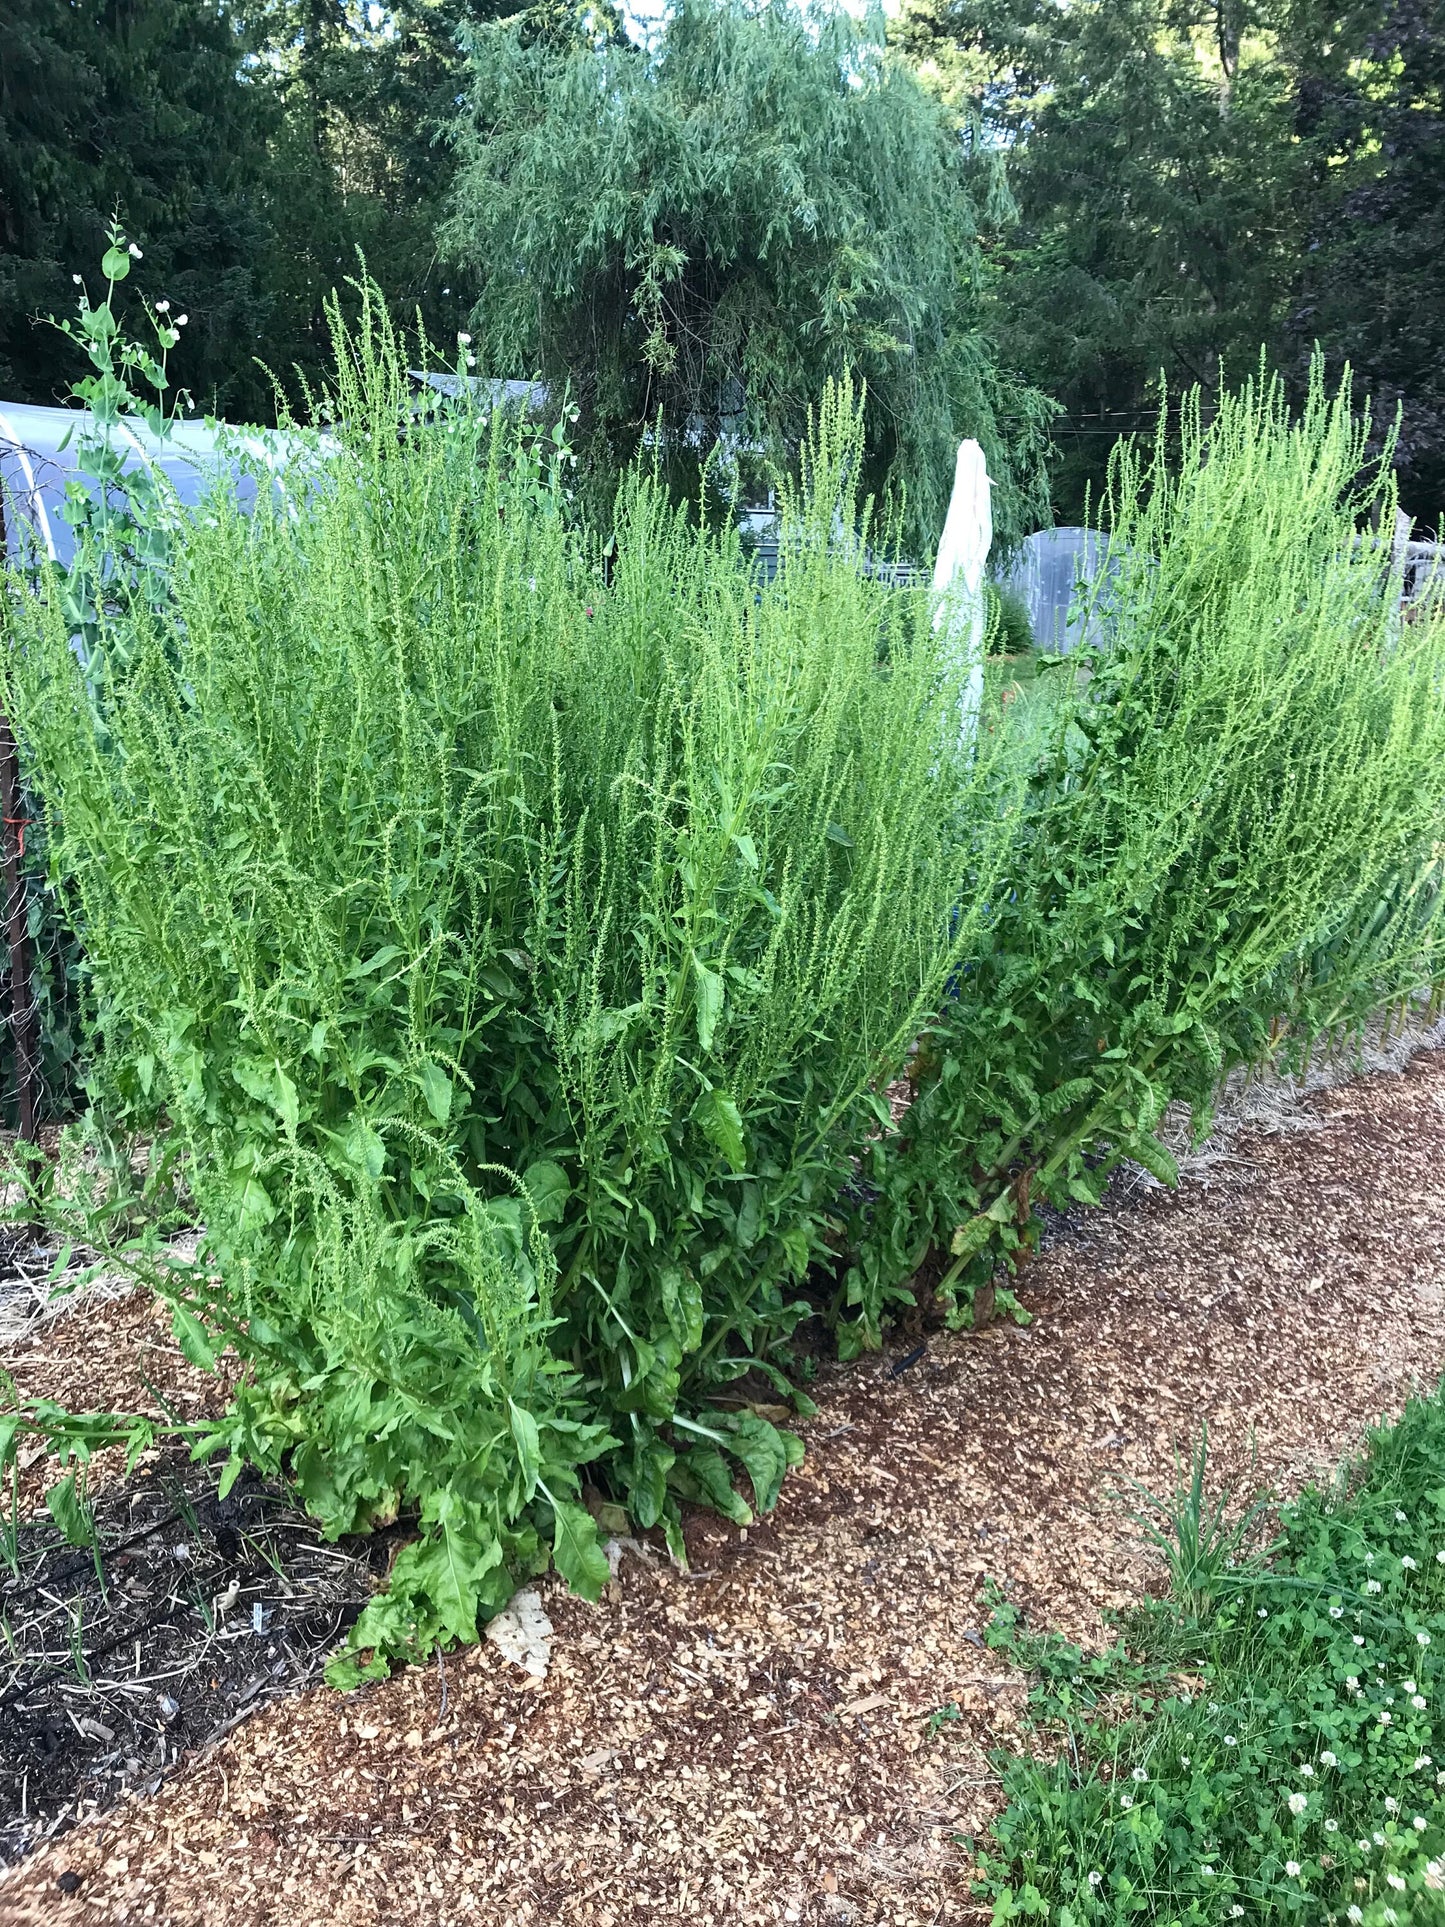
[750,1743]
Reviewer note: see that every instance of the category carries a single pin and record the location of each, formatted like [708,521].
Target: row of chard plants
[500,942]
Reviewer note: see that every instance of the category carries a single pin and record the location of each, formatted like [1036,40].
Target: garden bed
[755,1741]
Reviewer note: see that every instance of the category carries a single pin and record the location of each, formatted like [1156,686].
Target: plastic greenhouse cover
[1053,571]
[39,458]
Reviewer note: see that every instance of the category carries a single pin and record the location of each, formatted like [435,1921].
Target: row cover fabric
[39,455]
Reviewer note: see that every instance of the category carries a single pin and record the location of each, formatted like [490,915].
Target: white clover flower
[1373,1585]
[1440,1558]
[1400,1519]
[1292,1868]
[1378,1838]
[1440,1777]
[1307,1772]
[1352,1682]
[1397,1881]
[1418,1823]
[1353,1914]
[1184,1759]
[1329,1758]
[1207,1872]
[1369,1558]
[1298,1802]
[1095,1878]
[1423,1760]
[1418,1701]
[1357,1638]
[1422,1639]
[1236,1912]
[1139,1774]
[1364,1845]
[1408,1563]
[1408,1685]
[1385,1718]
[1126,1801]
[134,252]
[1229,1740]
[1263,1613]
[1392,1805]
[1392,1919]
[1337,1612]
[1332,1826]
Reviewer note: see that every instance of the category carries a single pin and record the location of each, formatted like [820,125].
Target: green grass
[1267,1744]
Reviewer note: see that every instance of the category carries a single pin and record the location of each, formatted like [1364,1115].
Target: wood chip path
[749,1743]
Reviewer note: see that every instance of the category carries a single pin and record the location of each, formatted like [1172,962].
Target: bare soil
[750,1742]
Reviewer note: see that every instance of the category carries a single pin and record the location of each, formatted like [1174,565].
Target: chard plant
[504,945]
[1230,843]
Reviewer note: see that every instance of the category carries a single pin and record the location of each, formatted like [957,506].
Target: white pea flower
[134,252]
[1298,1802]
[163,307]
[1292,1868]
[465,340]
[76,279]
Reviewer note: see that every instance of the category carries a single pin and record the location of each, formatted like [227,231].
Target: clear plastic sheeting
[39,460]
[1053,572]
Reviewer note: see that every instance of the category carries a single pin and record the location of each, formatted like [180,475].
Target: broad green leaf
[436,1088]
[287,1103]
[762,1449]
[722,1125]
[379,959]
[70,1513]
[548,1189]
[580,1560]
[704,1469]
[191,1337]
[682,1303]
[115,264]
[529,1446]
[364,1147]
[709,1002]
